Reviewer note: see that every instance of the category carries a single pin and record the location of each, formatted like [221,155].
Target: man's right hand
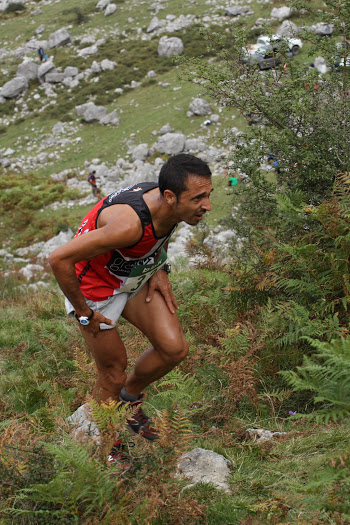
[94,326]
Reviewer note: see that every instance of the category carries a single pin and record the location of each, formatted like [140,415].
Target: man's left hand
[159,281]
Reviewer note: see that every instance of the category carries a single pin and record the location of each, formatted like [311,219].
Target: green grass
[301,478]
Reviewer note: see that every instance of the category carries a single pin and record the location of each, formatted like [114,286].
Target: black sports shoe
[118,456]
[139,423]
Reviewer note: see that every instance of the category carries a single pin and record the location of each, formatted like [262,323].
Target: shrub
[15,7]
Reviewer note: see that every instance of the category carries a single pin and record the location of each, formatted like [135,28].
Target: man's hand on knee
[160,282]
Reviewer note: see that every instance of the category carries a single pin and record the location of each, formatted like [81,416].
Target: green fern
[179,389]
[327,374]
[80,485]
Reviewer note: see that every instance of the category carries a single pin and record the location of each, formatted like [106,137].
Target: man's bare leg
[110,356]
[164,331]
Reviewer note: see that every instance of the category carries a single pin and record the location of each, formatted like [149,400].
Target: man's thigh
[107,348]
[154,319]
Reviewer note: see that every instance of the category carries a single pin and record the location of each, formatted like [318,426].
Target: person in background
[96,191]
[41,53]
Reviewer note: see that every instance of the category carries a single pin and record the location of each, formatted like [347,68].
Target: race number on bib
[140,274]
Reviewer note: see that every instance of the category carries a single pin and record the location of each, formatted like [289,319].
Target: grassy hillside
[247,322]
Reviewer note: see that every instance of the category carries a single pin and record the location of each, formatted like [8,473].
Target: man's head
[176,170]
[185,183]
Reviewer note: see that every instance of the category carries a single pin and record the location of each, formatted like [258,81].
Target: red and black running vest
[122,269]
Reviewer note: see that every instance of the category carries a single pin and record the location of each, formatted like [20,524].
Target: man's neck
[162,218]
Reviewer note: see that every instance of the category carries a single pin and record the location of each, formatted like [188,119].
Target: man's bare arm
[123,228]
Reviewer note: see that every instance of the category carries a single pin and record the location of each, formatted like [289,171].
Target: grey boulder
[71,71]
[110,9]
[238,10]
[171,143]
[61,37]
[281,12]
[54,78]
[204,466]
[322,29]
[102,4]
[170,46]
[155,24]
[140,152]
[200,107]
[14,87]
[90,112]
[46,67]
[28,69]
[287,28]
[111,119]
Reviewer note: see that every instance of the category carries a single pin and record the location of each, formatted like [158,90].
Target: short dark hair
[175,171]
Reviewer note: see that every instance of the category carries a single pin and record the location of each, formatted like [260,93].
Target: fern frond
[327,374]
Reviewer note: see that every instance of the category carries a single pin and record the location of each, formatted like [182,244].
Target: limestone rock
[46,67]
[238,10]
[54,77]
[61,37]
[204,466]
[200,107]
[102,4]
[171,143]
[287,28]
[140,152]
[89,112]
[14,87]
[55,242]
[82,425]
[194,145]
[110,9]
[110,119]
[170,46]
[281,12]
[28,69]
[322,29]
[87,51]
[154,24]
[107,65]
[29,270]
[260,434]
[165,129]
[39,29]
[71,71]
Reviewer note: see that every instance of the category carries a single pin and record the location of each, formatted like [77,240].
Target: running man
[116,266]
[96,191]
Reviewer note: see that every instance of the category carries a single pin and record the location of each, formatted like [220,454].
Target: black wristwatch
[166,267]
[83,319]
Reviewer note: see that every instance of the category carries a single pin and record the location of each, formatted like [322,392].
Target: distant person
[96,191]
[41,53]
[232,181]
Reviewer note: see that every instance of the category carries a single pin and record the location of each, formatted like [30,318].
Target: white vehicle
[274,41]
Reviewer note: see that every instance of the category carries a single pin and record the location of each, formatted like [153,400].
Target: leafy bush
[327,375]
[15,7]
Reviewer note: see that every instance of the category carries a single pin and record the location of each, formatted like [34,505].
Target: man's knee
[174,350]
[112,375]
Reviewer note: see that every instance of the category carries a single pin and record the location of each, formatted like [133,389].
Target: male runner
[96,191]
[115,266]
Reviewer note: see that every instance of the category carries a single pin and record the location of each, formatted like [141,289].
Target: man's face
[194,201]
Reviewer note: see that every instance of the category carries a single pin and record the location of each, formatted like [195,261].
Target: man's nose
[206,204]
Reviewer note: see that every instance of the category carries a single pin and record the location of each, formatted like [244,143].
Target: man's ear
[170,197]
